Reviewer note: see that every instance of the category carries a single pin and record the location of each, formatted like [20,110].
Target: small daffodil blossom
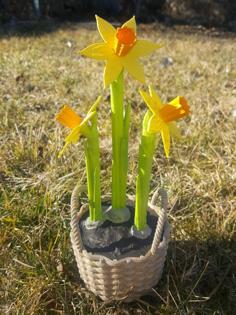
[120,49]
[78,125]
[164,116]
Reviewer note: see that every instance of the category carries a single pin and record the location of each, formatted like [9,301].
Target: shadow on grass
[42,27]
[34,28]
[199,278]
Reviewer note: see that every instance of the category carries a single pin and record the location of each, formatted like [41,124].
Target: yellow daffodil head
[79,126]
[120,49]
[164,116]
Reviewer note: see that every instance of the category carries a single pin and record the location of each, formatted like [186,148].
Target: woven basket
[128,278]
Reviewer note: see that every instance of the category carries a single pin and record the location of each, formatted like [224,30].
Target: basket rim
[78,245]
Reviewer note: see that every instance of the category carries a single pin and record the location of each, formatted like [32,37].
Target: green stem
[124,155]
[146,152]
[119,169]
[93,172]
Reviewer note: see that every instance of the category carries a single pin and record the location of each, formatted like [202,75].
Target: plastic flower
[120,49]
[79,125]
[164,115]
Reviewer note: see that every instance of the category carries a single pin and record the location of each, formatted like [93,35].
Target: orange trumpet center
[170,112]
[68,117]
[124,41]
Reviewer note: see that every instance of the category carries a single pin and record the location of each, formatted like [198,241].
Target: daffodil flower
[87,127]
[120,49]
[68,117]
[164,115]
[159,119]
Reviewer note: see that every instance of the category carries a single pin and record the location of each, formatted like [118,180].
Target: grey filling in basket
[114,240]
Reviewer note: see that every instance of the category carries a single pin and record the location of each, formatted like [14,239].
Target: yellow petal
[155,124]
[131,23]
[174,130]
[99,51]
[106,30]
[143,48]
[155,97]
[181,102]
[112,70]
[149,101]
[165,134]
[74,135]
[63,150]
[134,68]
[86,119]
[95,105]
[68,117]
[175,102]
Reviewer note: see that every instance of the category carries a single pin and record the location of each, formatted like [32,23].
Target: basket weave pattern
[127,278]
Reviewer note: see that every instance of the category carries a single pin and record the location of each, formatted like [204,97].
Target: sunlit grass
[40,74]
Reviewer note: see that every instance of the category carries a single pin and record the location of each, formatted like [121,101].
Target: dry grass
[38,74]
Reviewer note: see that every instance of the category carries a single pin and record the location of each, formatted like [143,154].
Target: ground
[40,72]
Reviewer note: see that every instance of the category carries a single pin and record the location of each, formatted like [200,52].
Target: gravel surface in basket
[114,240]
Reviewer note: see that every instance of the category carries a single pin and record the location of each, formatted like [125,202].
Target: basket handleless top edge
[160,239]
